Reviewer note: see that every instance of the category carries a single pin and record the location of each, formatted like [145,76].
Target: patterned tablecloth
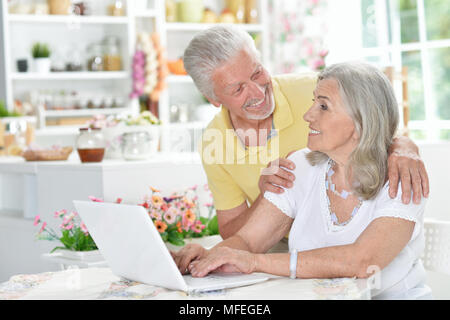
[101,283]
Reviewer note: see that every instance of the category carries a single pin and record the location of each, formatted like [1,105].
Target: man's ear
[214,102]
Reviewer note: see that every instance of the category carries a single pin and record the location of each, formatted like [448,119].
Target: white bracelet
[293,264]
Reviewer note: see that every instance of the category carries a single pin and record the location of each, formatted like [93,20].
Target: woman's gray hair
[211,48]
[370,101]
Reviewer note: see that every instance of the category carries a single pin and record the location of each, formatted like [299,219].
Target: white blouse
[312,228]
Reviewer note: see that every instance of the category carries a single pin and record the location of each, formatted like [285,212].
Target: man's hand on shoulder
[276,175]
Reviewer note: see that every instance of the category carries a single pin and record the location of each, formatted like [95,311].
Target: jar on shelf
[136,145]
[251,11]
[111,58]
[59,7]
[171,11]
[116,8]
[91,145]
[237,7]
[190,11]
[95,60]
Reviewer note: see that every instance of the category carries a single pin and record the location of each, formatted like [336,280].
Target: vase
[42,65]
[114,138]
[81,256]
[206,242]
[153,131]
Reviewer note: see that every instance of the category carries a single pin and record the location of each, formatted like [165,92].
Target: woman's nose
[308,116]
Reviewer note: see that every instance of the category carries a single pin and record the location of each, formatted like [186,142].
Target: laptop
[134,250]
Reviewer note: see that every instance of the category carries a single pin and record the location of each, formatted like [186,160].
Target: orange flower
[154,190]
[179,227]
[189,215]
[160,226]
[157,201]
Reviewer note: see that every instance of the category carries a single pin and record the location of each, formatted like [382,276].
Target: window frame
[391,54]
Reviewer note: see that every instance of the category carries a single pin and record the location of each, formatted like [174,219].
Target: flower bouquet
[176,218]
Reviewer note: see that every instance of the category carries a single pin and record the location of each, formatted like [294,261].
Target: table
[101,284]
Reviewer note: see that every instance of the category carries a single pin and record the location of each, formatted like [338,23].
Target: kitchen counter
[31,188]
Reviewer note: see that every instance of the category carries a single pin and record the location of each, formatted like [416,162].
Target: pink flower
[69,218]
[206,187]
[118,200]
[95,199]
[173,211]
[43,227]
[208,205]
[84,228]
[69,226]
[60,213]
[193,188]
[198,227]
[169,217]
[323,53]
[318,63]
[155,215]
[37,220]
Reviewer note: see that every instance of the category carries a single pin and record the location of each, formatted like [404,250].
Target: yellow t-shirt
[233,170]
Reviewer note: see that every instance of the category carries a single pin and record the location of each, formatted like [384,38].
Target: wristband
[293,264]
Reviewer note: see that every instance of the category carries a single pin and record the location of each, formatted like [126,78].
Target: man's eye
[323,107]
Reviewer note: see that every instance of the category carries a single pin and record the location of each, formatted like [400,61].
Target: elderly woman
[341,219]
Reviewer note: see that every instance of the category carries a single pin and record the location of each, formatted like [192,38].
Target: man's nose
[257,91]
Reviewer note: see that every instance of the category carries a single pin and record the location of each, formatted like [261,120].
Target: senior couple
[338,170]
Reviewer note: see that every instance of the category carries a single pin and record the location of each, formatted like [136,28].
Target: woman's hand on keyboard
[186,255]
[223,259]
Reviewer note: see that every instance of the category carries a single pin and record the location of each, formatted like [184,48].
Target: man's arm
[231,221]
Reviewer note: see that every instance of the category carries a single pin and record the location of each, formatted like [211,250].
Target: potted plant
[76,242]
[41,57]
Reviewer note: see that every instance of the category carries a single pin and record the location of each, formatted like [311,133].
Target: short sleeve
[388,207]
[282,201]
[289,200]
[226,193]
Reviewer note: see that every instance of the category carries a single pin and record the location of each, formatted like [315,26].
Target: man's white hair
[211,48]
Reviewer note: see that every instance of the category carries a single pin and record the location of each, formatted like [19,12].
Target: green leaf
[56,248]
[213,226]
[175,238]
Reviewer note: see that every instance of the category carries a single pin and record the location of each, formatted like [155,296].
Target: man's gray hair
[211,48]
[370,101]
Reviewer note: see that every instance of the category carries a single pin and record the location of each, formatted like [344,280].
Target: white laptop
[133,249]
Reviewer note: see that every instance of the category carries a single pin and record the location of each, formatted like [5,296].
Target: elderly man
[260,123]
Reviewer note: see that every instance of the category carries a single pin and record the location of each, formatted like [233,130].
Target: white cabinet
[20,31]
[69,38]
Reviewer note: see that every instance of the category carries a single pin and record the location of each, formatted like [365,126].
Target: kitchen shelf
[35,18]
[149,13]
[188,125]
[184,26]
[84,112]
[22,118]
[83,75]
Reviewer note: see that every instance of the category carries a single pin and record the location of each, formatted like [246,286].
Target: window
[416,34]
